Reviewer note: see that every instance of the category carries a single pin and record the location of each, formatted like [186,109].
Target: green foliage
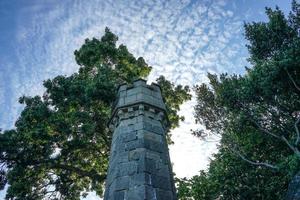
[196,187]
[257,116]
[60,146]
[174,96]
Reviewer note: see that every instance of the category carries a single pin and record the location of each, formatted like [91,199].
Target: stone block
[136,154]
[139,89]
[126,126]
[140,179]
[143,96]
[161,182]
[139,143]
[130,99]
[118,157]
[122,93]
[118,195]
[142,192]
[147,126]
[158,130]
[122,157]
[150,193]
[153,155]
[121,101]
[150,136]
[146,91]
[164,195]
[122,183]
[120,146]
[129,136]
[140,118]
[163,171]
[128,168]
[153,145]
[139,126]
[132,91]
[136,193]
[140,97]
[155,121]
[146,165]
[156,94]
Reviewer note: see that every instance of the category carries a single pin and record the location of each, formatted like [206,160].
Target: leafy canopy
[256,115]
[59,147]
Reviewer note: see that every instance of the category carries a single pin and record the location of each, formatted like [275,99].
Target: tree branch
[282,137]
[293,81]
[255,163]
[263,130]
[294,149]
[92,173]
[54,163]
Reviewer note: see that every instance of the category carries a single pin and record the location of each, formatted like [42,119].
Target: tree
[256,115]
[60,146]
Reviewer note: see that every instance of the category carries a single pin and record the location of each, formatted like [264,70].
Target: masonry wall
[139,166]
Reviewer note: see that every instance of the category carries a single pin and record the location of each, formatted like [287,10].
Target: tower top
[136,95]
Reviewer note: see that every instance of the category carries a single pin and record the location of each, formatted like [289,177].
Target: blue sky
[182,40]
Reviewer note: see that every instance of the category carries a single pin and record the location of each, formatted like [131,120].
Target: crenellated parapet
[139,99]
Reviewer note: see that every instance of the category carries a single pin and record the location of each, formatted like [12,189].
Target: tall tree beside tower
[257,116]
[60,146]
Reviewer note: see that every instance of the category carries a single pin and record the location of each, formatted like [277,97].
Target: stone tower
[139,165]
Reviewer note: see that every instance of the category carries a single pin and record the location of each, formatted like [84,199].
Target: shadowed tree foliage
[257,116]
[59,147]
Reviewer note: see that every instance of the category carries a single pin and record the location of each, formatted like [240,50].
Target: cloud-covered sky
[181,39]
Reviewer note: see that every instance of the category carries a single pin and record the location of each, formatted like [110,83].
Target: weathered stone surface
[122,183]
[139,166]
[164,194]
[129,136]
[141,192]
[161,182]
[128,168]
[119,195]
[140,179]
[146,165]
[294,188]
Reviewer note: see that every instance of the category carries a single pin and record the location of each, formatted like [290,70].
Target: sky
[181,39]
